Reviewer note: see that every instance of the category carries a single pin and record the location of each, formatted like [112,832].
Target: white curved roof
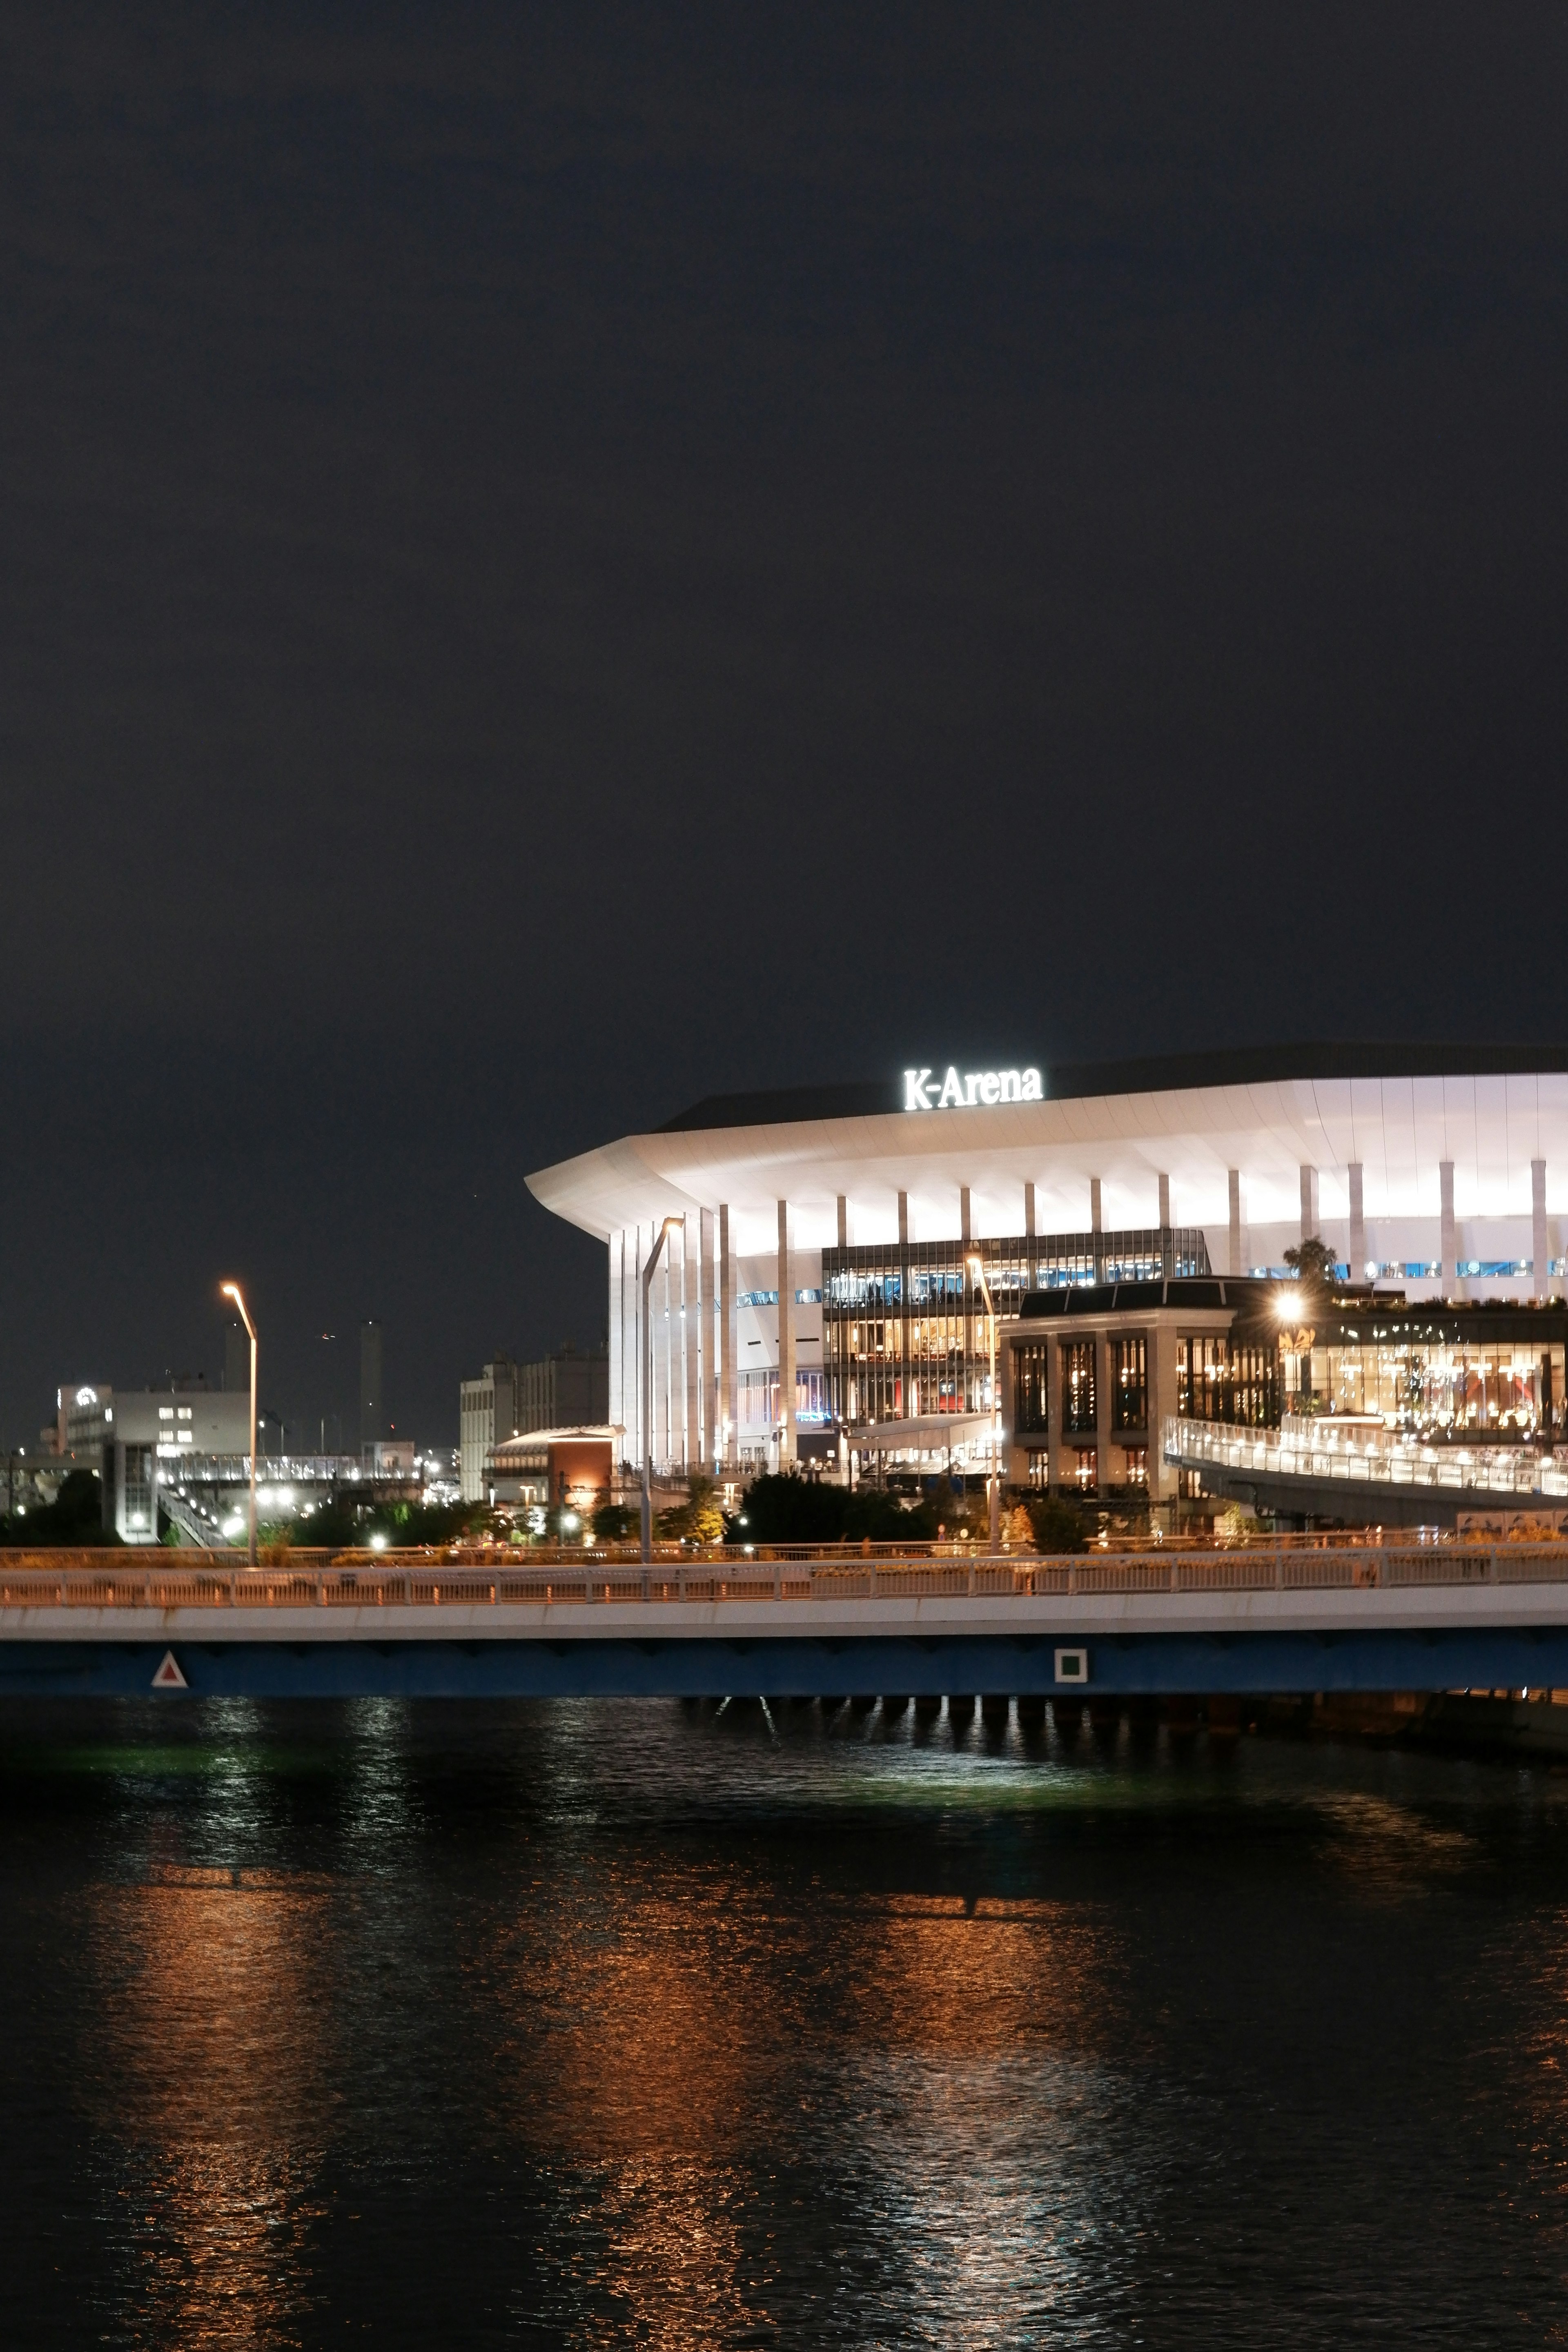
[1491,1123]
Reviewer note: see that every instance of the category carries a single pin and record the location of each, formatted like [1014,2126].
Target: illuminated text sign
[921,1091]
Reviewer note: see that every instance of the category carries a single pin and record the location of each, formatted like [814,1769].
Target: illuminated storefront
[1465,1374]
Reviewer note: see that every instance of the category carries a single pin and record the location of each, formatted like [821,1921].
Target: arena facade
[817,1299]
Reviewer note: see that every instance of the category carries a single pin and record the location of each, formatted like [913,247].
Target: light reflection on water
[587,2025]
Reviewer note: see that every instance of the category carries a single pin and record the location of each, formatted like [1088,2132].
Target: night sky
[556,563]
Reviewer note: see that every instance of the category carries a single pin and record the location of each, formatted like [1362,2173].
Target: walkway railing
[178,1580]
[1376,1458]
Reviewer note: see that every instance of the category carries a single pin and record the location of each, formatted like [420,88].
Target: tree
[1057,1526]
[75,1517]
[699,1519]
[613,1523]
[783,1507]
[1315,1267]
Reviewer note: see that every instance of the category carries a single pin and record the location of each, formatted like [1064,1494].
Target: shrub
[1057,1526]
[616,1523]
[783,1507]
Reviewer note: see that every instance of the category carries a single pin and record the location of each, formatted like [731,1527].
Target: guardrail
[175,1583]
[1490,1471]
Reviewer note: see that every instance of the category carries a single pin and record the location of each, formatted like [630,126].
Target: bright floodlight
[1285,1305]
[378,1542]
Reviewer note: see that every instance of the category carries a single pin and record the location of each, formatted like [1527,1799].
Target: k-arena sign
[922,1093]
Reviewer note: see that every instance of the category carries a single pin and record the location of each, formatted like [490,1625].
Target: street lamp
[669,1226]
[978,1270]
[231,1290]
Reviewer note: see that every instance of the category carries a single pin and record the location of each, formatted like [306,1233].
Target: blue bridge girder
[1362,1620]
[1502,1657]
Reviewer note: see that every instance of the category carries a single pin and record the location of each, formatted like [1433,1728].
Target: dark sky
[558,561]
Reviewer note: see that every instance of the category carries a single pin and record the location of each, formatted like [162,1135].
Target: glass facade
[1031,1388]
[759,1402]
[1130,1381]
[1438,1387]
[904,1330]
[1221,1377]
[1081,1400]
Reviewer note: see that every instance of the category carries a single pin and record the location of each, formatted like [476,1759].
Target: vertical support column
[1096,1229]
[728,1370]
[1540,1246]
[969,1383]
[1358,1222]
[786,1341]
[1162,1400]
[708,1325]
[836,1357]
[1032,1279]
[1309,1202]
[666,1341]
[1448,1237]
[691,1335]
[1054,1411]
[1236,1266]
[906,1336]
[1167,1246]
[615,1251]
[633,1442]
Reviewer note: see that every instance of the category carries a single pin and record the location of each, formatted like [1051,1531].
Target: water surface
[593,2024]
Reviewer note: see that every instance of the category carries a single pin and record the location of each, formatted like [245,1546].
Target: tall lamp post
[978,1271]
[231,1290]
[665,1230]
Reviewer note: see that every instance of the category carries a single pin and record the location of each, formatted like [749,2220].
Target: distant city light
[378,1541]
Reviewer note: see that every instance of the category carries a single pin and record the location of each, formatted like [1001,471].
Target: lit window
[166,1412]
[185,1413]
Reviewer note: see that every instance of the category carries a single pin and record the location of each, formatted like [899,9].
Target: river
[595,2024]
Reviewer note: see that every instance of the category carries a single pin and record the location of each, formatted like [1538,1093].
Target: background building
[487,1416]
[372,1396]
[567,1391]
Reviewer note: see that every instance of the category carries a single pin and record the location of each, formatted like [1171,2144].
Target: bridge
[1337,1468]
[1313,1617]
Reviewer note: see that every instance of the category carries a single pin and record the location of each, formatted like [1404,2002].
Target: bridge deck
[1346,1618]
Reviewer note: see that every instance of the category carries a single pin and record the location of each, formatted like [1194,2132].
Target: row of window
[1217,1378]
[1085,1468]
[1128,1369]
[1416,1269]
[758,1401]
[1510,1387]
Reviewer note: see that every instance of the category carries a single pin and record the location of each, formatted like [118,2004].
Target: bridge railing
[171,1581]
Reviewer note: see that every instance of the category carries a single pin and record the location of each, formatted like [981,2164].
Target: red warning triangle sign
[168,1677]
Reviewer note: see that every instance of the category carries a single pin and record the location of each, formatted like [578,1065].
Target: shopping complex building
[818,1295]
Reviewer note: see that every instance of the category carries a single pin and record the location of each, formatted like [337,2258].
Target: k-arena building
[817,1300]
